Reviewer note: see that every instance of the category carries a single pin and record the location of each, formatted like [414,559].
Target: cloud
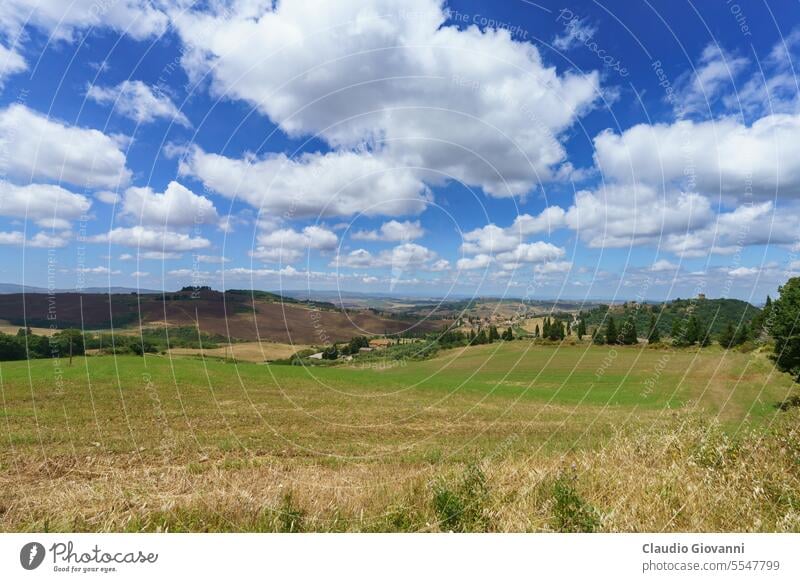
[620,215]
[47,205]
[311,185]
[495,239]
[139,274]
[288,245]
[50,240]
[477,262]
[663,265]
[467,104]
[107,197]
[151,256]
[398,258]
[153,239]
[213,259]
[139,19]
[177,206]
[97,271]
[12,238]
[39,148]
[576,32]
[715,72]
[712,157]
[11,63]
[553,268]
[535,252]
[772,88]
[744,272]
[39,240]
[137,101]
[393,231]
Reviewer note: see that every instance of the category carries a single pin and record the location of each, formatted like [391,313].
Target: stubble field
[504,437]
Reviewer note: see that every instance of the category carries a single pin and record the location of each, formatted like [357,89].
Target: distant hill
[716,313]
[243,315]
[10,288]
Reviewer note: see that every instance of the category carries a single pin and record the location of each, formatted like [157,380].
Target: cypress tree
[677,333]
[611,332]
[728,336]
[581,328]
[653,335]
[536,331]
[692,331]
[629,334]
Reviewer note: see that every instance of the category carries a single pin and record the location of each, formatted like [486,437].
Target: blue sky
[579,150]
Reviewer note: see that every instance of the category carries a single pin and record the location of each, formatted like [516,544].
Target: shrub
[461,506]
[571,514]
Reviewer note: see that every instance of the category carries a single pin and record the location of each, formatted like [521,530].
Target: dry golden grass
[688,477]
[6,327]
[473,440]
[244,352]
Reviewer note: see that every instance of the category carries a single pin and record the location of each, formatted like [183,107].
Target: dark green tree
[653,335]
[728,336]
[611,332]
[628,333]
[693,332]
[785,327]
[678,334]
[536,331]
[581,328]
[493,335]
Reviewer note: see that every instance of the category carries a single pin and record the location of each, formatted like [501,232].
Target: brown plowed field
[237,316]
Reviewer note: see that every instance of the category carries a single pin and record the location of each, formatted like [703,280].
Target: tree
[742,335]
[536,331]
[728,336]
[481,338]
[653,335]
[546,327]
[493,335]
[597,337]
[11,348]
[677,333]
[330,353]
[611,332]
[785,327]
[628,334]
[704,339]
[692,334]
[67,343]
[581,328]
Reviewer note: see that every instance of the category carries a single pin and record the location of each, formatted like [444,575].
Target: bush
[571,514]
[461,506]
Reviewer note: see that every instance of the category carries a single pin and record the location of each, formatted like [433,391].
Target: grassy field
[502,437]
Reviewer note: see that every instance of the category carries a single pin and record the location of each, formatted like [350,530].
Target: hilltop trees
[784,324]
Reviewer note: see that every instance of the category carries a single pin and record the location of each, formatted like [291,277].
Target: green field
[128,443]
